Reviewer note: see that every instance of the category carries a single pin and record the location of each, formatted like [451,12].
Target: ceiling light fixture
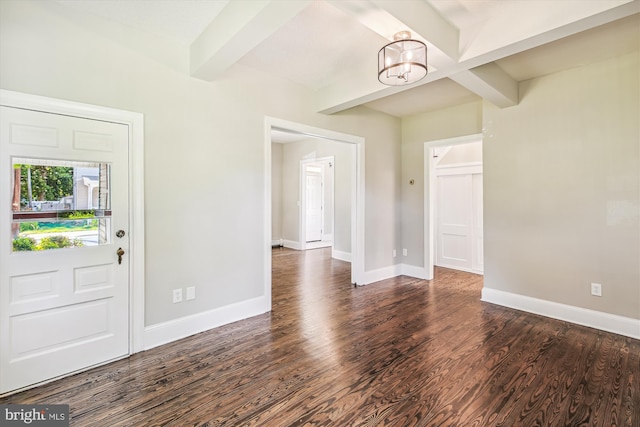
[403,61]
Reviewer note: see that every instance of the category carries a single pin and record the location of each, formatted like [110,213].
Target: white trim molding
[291,244]
[582,316]
[395,271]
[413,271]
[341,255]
[383,273]
[166,332]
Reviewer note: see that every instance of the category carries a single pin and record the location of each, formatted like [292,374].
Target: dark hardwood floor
[401,352]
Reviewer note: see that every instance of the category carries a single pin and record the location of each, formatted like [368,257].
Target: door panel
[62,308]
[454,221]
[314,205]
[459,223]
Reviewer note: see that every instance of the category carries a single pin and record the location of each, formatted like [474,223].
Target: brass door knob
[120,252]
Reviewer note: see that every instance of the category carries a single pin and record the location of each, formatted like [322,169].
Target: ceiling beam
[239,28]
[346,94]
[387,17]
[474,69]
[424,22]
[546,21]
[491,83]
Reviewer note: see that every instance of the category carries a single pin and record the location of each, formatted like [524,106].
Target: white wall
[562,189]
[204,151]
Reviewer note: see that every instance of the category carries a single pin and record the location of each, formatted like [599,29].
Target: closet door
[459,219]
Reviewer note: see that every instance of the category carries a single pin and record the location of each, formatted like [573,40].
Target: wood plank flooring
[401,352]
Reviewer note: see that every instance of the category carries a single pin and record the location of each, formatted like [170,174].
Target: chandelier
[403,61]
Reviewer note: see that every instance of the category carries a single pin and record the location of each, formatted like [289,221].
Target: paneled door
[459,235]
[314,203]
[64,243]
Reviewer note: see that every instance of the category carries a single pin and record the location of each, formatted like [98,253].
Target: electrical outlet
[394,253]
[404,252]
[596,289]
[191,293]
[177,295]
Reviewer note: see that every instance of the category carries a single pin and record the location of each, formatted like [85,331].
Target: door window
[59,204]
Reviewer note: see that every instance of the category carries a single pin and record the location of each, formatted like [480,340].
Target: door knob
[120,252]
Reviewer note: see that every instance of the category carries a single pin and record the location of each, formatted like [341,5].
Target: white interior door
[64,295]
[314,203]
[459,235]
[454,221]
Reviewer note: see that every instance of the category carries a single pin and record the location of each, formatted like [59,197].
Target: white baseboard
[372,276]
[291,244]
[166,332]
[582,316]
[394,271]
[319,244]
[276,242]
[342,256]
[417,272]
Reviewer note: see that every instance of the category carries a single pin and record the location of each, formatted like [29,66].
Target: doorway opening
[351,218]
[317,196]
[453,204]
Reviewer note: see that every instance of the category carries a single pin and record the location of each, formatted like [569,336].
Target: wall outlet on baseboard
[177,295]
[596,289]
[191,293]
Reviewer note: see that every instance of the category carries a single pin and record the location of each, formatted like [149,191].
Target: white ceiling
[183,20]
[476,48]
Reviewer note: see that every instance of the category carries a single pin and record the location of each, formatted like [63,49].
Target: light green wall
[562,188]
[204,151]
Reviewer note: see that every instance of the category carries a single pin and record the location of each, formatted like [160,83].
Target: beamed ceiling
[476,48]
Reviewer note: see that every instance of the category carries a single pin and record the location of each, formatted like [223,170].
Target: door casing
[429,197]
[357,198]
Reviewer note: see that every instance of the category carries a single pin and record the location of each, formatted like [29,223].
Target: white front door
[314,203]
[64,245]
